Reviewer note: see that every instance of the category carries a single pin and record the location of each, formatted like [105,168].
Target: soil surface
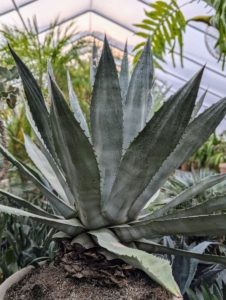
[86,275]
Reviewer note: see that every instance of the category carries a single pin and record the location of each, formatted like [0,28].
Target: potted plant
[102,179]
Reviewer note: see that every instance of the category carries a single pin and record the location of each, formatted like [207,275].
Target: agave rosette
[101,179]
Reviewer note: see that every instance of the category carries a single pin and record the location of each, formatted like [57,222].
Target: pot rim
[14,278]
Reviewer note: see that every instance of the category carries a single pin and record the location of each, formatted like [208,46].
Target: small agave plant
[100,178]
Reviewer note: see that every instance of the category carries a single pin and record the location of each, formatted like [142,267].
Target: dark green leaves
[149,246]
[24,203]
[36,102]
[198,105]
[77,160]
[138,102]
[193,226]
[150,149]
[124,75]
[165,24]
[195,135]
[76,107]
[207,207]
[47,154]
[107,120]
[66,210]
[72,227]
[190,193]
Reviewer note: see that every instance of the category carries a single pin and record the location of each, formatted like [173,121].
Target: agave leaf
[207,207]
[43,165]
[215,272]
[142,202]
[180,267]
[45,151]
[109,255]
[50,71]
[77,159]
[152,199]
[194,226]
[106,119]
[156,268]
[76,107]
[60,236]
[149,246]
[198,106]
[184,268]
[203,126]
[190,193]
[66,210]
[85,240]
[200,248]
[36,102]
[35,209]
[138,100]
[150,149]
[168,242]
[93,64]
[124,75]
[72,227]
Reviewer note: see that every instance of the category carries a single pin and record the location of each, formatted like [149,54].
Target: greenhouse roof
[116,19]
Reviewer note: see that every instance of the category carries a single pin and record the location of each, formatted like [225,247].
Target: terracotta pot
[194,165]
[185,166]
[14,279]
[222,168]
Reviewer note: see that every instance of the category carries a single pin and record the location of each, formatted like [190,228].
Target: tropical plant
[178,182]
[12,118]
[211,153]
[166,24]
[206,294]
[8,94]
[185,268]
[57,45]
[16,125]
[24,241]
[101,181]
[212,274]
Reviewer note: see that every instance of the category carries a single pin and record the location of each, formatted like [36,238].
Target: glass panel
[47,10]
[10,19]
[23,2]
[5,6]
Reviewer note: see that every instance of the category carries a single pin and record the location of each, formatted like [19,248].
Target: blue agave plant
[103,177]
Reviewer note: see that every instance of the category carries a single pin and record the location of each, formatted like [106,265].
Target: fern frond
[164,24]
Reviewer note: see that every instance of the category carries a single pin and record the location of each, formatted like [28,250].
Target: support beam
[19,6]
[19,14]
